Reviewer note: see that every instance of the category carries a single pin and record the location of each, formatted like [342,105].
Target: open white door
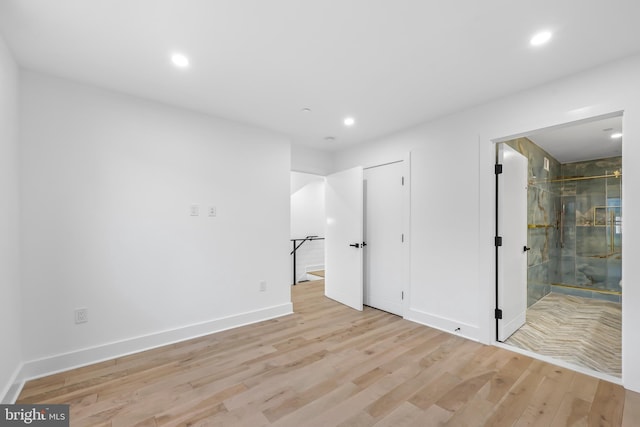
[343,237]
[512,226]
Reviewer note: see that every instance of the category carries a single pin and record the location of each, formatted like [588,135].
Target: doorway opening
[573,248]
[307,227]
[366,245]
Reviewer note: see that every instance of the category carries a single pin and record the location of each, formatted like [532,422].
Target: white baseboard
[75,359]
[12,390]
[447,325]
[316,267]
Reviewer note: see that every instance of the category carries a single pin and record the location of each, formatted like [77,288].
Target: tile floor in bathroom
[581,331]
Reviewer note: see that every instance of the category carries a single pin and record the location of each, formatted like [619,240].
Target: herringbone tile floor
[581,331]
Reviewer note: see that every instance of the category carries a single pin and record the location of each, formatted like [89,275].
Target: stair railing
[296,246]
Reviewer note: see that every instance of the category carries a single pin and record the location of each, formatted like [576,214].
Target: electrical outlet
[81,315]
[213,211]
[263,286]
[194,210]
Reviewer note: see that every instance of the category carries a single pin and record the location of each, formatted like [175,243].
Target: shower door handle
[355,245]
[526,249]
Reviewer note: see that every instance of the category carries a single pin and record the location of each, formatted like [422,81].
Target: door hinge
[498,314]
[403,295]
[403,180]
[498,169]
[402,238]
[497,241]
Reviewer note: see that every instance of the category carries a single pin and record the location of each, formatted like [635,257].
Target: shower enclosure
[574,225]
[587,251]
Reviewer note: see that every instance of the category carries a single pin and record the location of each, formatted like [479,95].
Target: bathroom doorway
[573,244]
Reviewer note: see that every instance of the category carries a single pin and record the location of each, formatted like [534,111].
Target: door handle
[355,245]
[526,249]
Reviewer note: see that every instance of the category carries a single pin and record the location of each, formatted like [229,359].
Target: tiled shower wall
[585,252]
[541,233]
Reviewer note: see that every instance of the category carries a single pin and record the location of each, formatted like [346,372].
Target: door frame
[406,223]
[487,160]
[487,142]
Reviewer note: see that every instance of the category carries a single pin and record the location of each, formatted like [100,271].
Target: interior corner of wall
[12,390]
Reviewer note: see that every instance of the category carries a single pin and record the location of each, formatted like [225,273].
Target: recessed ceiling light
[349,121]
[540,38]
[329,138]
[179,60]
[616,135]
[306,110]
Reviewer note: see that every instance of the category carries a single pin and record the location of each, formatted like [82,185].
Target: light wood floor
[328,365]
[582,331]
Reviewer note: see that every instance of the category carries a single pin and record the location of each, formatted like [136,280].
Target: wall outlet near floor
[213,211]
[263,286]
[194,210]
[81,315]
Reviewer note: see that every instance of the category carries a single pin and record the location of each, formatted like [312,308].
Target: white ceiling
[389,64]
[577,142]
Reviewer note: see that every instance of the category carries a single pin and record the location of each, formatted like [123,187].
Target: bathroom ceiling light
[179,60]
[305,110]
[329,138]
[540,38]
[349,121]
[616,135]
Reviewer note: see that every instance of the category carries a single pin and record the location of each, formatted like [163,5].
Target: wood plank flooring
[328,365]
[582,331]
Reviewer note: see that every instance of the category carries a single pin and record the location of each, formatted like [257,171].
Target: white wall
[10,300]
[108,181]
[311,160]
[307,205]
[453,196]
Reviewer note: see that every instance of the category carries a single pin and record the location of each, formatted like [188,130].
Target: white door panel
[343,262]
[512,282]
[383,235]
